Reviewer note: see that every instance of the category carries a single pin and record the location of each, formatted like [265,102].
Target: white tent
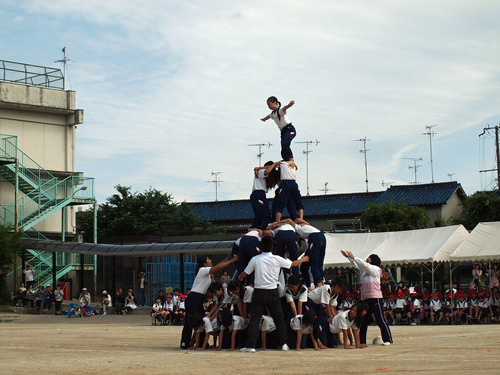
[396,248]
[482,245]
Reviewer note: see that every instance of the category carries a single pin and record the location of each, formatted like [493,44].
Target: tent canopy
[396,248]
[482,245]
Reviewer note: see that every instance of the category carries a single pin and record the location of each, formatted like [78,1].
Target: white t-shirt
[267,324]
[259,182]
[320,295]
[247,297]
[400,303]
[287,172]
[436,304]
[280,118]
[301,295]
[237,325]
[341,321]
[30,275]
[296,324]
[230,298]
[267,268]
[305,230]
[208,326]
[202,281]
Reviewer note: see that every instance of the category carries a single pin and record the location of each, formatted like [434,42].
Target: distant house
[341,211]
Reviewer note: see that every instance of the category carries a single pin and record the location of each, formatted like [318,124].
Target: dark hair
[273,99]
[339,283]
[273,178]
[307,317]
[294,280]
[201,260]
[195,319]
[266,244]
[226,317]
[214,287]
[375,260]
[233,285]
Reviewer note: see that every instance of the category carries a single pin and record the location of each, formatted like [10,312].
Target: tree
[392,216]
[10,244]
[149,213]
[480,207]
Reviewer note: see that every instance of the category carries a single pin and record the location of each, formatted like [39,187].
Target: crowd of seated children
[172,311]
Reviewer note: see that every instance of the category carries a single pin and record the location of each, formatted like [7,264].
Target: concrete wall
[44,121]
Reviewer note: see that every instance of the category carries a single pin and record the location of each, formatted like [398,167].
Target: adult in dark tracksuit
[371,292]
[266,268]
[194,300]
[265,178]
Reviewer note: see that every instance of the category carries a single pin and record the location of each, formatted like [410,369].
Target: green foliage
[392,216]
[149,213]
[10,244]
[480,207]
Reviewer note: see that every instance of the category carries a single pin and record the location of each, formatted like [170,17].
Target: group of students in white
[169,309]
[279,299]
[454,307]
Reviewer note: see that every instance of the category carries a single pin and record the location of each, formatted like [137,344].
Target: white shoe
[250,350]
[104,313]
[387,343]
[285,347]
[243,349]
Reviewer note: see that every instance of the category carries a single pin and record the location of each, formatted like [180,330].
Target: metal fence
[33,75]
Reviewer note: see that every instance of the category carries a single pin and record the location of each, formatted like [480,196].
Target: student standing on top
[265,178]
[288,132]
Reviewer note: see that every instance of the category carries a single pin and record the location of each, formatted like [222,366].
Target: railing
[33,75]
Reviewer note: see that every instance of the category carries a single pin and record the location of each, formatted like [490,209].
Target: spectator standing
[58,298]
[142,284]
[29,275]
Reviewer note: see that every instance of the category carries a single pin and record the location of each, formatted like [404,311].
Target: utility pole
[497,153]
[415,166]
[307,152]
[430,133]
[364,151]
[259,155]
[217,182]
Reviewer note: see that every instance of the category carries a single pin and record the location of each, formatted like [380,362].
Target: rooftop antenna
[415,167]
[217,182]
[386,183]
[326,188]
[259,155]
[64,61]
[307,152]
[430,133]
[364,151]
[497,152]
[450,175]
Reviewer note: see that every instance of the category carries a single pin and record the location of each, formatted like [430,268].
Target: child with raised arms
[279,115]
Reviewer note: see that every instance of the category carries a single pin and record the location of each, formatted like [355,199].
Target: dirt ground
[49,344]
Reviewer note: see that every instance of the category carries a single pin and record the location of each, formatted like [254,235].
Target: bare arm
[292,102]
[265,118]
[298,262]
[226,262]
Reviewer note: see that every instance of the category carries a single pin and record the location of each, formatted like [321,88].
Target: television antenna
[386,183]
[326,188]
[307,152]
[64,61]
[364,151]
[430,133]
[216,181]
[450,175]
[497,152]
[260,145]
[415,167]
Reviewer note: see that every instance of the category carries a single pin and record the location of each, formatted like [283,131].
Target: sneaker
[285,347]
[413,324]
[250,350]
[104,313]
[387,343]
[243,349]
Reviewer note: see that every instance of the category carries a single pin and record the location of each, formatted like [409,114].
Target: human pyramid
[276,299]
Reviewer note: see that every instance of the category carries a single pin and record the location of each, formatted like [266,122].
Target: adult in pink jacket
[371,293]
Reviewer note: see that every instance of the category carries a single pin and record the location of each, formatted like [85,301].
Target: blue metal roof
[336,204]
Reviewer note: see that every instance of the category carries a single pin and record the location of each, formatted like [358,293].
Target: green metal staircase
[39,194]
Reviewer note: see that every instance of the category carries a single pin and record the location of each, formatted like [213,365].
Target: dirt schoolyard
[49,344]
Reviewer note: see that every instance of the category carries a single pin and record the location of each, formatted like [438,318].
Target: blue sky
[174,90]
